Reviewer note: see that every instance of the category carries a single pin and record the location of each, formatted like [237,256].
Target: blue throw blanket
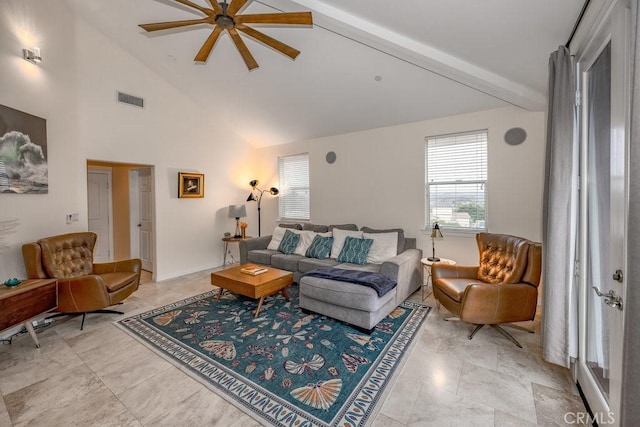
[376,281]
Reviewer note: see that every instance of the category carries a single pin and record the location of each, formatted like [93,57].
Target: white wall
[378,178]
[75,92]
[47,90]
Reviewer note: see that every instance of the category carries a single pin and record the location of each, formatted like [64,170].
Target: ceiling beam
[417,53]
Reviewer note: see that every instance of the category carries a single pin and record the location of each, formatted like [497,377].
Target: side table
[226,241]
[426,264]
[30,299]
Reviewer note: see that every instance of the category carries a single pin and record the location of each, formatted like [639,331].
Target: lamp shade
[435,232]
[237,211]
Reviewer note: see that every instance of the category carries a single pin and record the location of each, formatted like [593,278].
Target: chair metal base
[84,315]
[499,329]
[518,327]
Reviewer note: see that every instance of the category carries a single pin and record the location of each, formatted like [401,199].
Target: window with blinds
[456,181]
[293,173]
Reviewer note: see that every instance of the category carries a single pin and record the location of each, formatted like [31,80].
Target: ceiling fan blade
[193,5]
[243,49]
[291,18]
[206,48]
[216,7]
[235,6]
[173,24]
[269,41]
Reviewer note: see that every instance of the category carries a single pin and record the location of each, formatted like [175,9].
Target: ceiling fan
[225,16]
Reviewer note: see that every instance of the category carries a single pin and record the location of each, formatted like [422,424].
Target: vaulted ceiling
[364,63]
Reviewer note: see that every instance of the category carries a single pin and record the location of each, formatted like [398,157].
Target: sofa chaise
[392,255]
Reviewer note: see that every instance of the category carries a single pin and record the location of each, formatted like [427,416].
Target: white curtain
[630,367]
[560,215]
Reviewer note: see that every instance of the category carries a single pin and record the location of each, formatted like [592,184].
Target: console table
[22,303]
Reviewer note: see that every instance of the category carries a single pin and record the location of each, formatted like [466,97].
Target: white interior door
[145,225]
[603,74]
[99,213]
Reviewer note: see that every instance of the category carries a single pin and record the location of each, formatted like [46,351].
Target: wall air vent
[130,99]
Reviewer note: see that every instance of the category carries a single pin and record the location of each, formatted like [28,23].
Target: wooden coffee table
[260,286]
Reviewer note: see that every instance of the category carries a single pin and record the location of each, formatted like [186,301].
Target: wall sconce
[32,55]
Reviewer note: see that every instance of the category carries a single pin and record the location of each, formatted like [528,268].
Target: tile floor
[102,376]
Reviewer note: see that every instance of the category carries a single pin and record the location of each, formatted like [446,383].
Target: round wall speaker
[515,136]
[331,157]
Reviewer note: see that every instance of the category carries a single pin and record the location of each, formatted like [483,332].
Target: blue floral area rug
[285,367]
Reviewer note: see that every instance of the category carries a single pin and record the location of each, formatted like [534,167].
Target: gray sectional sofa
[351,303]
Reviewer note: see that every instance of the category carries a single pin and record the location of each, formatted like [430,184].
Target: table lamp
[237,212]
[435,234]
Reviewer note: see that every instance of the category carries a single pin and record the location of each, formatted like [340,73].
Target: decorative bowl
[12,282]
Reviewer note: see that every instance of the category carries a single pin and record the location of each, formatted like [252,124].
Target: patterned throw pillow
[289,242]
[320,247]
[355,250]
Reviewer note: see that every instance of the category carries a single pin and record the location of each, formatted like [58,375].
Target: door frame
[613,28]
[104,171]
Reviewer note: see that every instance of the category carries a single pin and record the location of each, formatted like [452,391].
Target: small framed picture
[190,185]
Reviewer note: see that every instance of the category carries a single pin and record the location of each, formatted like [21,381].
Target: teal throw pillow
[289,242]
[355,250]
[320,247]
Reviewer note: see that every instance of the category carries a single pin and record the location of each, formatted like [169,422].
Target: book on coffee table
[253,270]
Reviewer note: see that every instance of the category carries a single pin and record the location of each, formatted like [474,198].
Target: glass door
[603,78]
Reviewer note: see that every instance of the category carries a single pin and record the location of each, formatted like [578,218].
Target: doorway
[99,212]
[603,72]
[131,210]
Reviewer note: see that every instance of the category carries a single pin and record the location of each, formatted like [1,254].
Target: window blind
[293,173]
[456,181]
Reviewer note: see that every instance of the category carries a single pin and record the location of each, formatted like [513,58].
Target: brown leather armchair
[83,287]
[502,289]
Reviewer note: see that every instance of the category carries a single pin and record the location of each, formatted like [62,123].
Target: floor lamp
[256,196]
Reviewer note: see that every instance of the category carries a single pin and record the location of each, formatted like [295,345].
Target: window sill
[456,233]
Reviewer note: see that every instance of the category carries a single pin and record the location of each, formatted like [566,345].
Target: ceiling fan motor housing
[225,21]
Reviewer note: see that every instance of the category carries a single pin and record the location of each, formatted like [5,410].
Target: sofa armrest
[129,265]
[82,294]
[489,304]
[252,244]
[404,268]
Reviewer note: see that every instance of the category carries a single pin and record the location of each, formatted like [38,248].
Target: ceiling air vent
[130,99]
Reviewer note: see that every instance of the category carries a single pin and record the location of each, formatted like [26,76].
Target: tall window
[456,181]
[293,172]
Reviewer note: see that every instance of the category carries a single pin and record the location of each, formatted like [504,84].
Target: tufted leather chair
[83,287]
[502,289]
